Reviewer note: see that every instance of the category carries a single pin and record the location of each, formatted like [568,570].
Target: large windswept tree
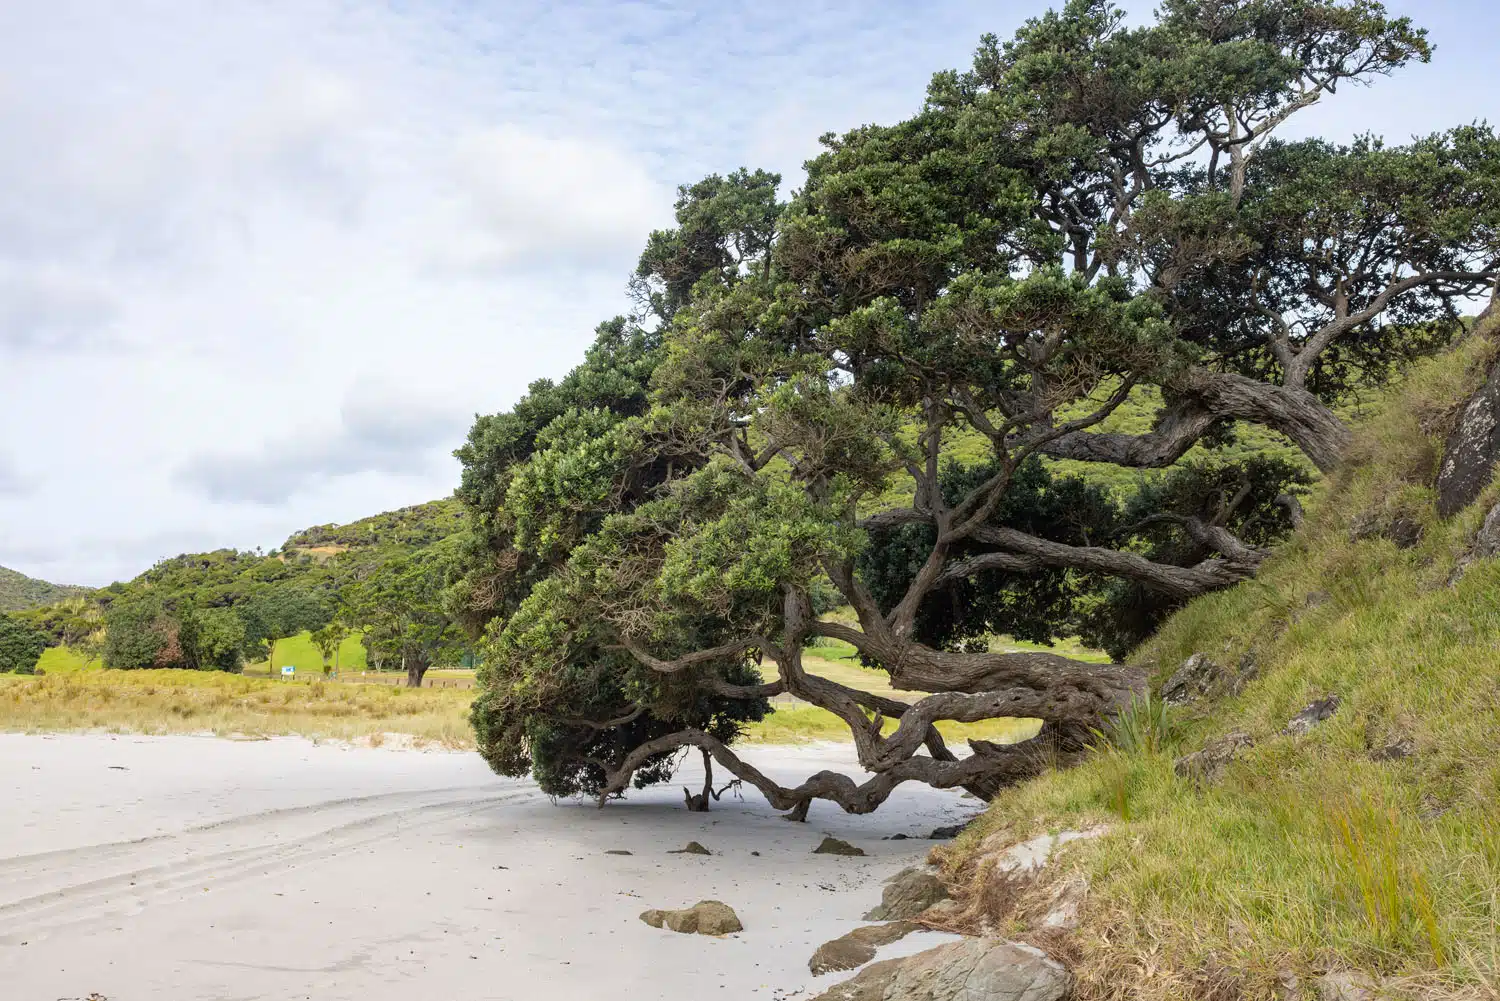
[860,397]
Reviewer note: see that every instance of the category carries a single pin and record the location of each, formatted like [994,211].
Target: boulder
[691,848]
[979,970]
[851,951]
[834,846]
[909,893]
[1191,681]
[947,833]
[1472,450]
[1207,766]
[706,917]
[1315,713]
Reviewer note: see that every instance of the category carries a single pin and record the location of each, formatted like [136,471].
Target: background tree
[328,639]
[399,604]
[277,613]
[912,390]
[20,646]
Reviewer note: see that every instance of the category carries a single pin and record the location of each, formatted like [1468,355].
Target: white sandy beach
[194,868]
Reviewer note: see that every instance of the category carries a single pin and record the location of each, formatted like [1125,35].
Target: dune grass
[166,701]
[1312,852]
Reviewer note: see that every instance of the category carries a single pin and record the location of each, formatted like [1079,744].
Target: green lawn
[299,652]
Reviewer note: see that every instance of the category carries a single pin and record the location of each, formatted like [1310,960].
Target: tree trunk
[416,670]
[699,803]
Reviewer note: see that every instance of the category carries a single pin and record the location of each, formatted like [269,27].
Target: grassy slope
[18,591]
[1310,855]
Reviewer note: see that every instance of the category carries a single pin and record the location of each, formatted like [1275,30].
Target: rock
[843,953]
[909,893]
[1486,545]
[1487,542]
[834,846]
[1345,985]
[1064,903]
[851,951]
[1207,766]
[1315,713]
[868,985]
[1031,856]
[896,837]
[1472,450]
[1402,529]
[947,833]
[706,917]
[979,970]
[691,848]
[1191,681]
[617,851]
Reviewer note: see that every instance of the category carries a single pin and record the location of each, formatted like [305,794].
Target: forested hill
[18,591]
[418,525]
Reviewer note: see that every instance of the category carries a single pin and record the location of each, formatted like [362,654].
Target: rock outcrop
[835,846]
[909,893]
[1315,713]
[851,951]
[1193,680]
[706,917]
[1472,450]
[1207,766]
[972,970]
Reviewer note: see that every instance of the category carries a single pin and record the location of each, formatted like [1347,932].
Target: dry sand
[193,868]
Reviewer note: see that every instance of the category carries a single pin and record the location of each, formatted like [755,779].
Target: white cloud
[11,481]
[379,431]
[546,202]
[49,309]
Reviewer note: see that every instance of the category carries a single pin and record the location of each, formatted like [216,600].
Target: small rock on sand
[691,848]
[617,851]
[834,846]
[706,917]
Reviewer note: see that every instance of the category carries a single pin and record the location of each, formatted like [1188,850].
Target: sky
[262,261]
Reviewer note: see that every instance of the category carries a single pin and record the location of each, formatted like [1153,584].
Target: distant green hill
[415,526]
[18,591]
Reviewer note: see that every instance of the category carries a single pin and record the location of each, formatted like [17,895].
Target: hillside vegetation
[1372,841]
[19,592]
[418,525]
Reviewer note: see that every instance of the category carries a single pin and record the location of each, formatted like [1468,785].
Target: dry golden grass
[199,701]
